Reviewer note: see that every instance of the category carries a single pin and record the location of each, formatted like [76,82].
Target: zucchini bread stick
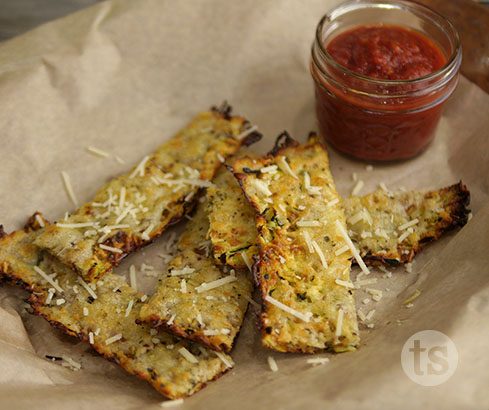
[392,228]
[135,208]
[104,315]
[307,300]
[380,223]
[196,299]
[232,229]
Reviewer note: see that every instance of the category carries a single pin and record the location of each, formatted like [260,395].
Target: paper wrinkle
[123,76]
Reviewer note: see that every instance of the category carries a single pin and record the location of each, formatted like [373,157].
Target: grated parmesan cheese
[271,169]
[358,187]
[285,167]
[109,248]
[224,359]
[339,323]
[69,188]
[113,339]
[320,254]
[405,234]
[188,356]
[75,225]
[49,298]
[132,277]
[345,283]
[85,311]
[87,288]
[40,221]
[129,308]
[408,224]
[308,240]
[171,320]
[247,132]
[383,187]
[246,260]
[272,364]
[139,168]
[353,250]
[306,317]
[48,279]
[183,286]
[308,224]
[215,283]
[342,250]
[97,151]
[261,186]
[147,231]
[186,270]
[91,339]
[318,360]
[333,202]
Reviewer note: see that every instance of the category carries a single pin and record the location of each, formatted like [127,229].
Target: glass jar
[375,119]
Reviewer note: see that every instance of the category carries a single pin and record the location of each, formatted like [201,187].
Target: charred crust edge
[283,141]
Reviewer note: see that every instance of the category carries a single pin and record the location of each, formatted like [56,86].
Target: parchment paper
[123,76]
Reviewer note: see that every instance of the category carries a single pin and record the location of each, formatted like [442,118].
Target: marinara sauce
[386,52]
[379,92]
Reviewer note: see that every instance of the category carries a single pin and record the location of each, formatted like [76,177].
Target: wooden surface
[470,19]
[472,22]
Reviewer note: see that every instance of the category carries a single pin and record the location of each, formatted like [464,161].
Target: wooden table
[470,18]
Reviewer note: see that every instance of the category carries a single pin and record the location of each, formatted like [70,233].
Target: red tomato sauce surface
[386,52]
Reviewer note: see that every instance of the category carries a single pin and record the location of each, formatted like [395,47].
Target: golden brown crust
[146,201]
[291,207]
[153,358]
[179,307]
[378,234]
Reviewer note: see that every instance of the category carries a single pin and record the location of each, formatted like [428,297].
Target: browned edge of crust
[131,243]
[458,213]
[9,277]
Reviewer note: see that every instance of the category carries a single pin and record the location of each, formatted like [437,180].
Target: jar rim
[398,4]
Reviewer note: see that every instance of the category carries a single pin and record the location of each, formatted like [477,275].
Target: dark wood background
[470,18]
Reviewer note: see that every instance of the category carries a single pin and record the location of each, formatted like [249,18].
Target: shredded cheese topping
[358,187]
[48,279]
[247,132]
[353,249]
[339,323]
[215,283]
[110,248]
[285,167]
[186,270]
[69,188]
[87,288]
[306,317]
[132,277]
[113,339]
[408,224]
[317,360]
[97,151]
[187,355]
[308,224]
[139,170]
[246,260]
[320,254]
[272,363]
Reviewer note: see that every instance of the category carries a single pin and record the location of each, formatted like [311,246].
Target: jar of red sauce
[382,72]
